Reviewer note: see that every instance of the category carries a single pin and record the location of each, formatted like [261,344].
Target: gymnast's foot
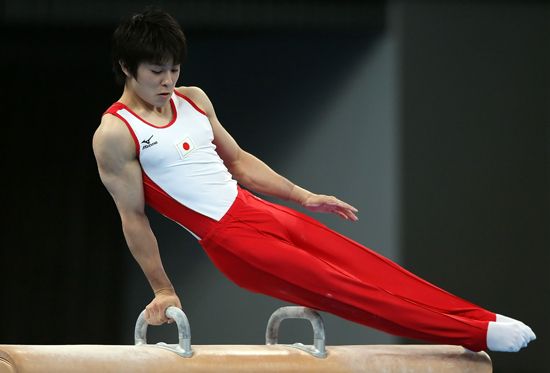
[502,318]
[508,336]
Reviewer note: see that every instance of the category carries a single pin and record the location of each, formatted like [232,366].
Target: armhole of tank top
[190,102]
[132,133]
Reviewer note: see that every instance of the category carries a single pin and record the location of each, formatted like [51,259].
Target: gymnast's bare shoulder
[199,98]
[112,136]
[114,150]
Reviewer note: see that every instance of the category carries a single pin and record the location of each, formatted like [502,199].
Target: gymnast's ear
[124,68]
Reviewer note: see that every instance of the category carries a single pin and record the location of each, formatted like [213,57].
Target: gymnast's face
[155,83]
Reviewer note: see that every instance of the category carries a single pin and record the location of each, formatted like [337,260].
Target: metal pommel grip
[183,348]
[295,312]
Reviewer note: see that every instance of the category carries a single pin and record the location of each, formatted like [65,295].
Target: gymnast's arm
[120,172]
[254,174]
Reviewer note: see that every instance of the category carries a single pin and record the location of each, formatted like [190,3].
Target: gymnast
[163,146]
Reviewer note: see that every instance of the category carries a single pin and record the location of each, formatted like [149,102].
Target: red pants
[274,250]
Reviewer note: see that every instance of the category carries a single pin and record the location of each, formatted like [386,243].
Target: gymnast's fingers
[346,206]
[341,214]
[342,208]
[350,214]
[346,214]
[154,314]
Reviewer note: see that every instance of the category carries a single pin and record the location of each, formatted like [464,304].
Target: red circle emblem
[186,146]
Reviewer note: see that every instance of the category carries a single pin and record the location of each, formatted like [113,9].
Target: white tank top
[180,157]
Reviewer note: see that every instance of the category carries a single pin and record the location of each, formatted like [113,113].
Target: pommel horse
[271,357]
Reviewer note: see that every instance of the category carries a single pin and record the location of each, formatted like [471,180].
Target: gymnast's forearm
[144,248]
[255,175]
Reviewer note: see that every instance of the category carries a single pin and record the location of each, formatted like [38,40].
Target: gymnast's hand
[155,312]
[331,204]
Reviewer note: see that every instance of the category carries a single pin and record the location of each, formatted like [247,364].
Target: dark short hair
[152,36]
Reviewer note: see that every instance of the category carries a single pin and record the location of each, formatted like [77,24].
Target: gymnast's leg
[349,280]
[307,281]
[504,333]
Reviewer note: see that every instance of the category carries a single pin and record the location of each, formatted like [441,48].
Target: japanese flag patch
[185,147]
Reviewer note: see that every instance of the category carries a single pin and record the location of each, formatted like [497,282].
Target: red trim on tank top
[162,202]
[172,106]
[191,102]
[113,110]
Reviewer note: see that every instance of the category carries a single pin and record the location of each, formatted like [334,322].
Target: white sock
[530,334]
[508,336]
